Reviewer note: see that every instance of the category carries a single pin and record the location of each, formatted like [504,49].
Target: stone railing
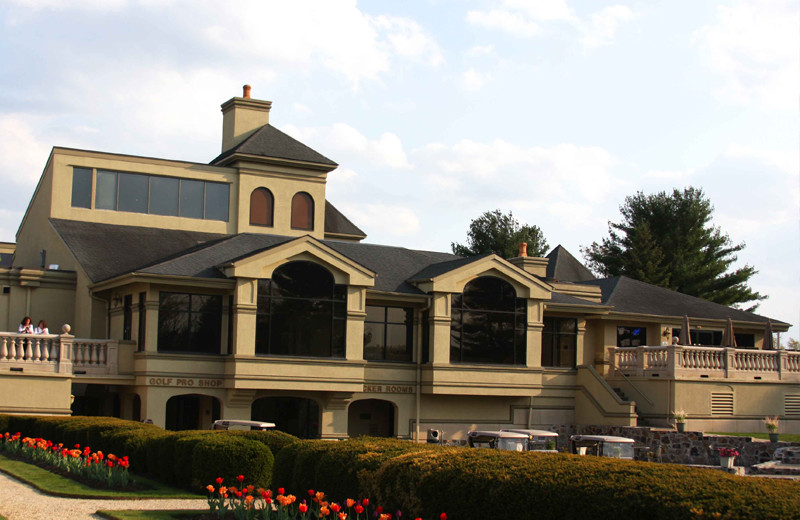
[57,353]
[679,362]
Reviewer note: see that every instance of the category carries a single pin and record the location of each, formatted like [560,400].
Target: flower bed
[94,468]
[246,502]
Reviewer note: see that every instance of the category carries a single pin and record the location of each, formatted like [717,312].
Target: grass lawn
[57,485]
[789,437]
[148,515]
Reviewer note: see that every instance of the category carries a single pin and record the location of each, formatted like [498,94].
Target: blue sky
[438,111]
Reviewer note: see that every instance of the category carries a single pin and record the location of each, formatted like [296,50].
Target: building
[235,290]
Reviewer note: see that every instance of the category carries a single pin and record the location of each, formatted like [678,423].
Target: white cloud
[472,80]
[532,19]
[677,176]
[601,27]
[752,47]
[386,219]
[343,139]
[301,108]
[408,39]
[22,152]
[480,50]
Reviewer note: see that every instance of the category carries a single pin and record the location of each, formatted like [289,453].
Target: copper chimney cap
[523,249]
[246,91]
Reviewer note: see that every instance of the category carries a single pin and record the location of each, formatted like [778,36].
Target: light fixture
[117,299]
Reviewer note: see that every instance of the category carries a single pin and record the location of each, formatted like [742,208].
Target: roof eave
[275,161]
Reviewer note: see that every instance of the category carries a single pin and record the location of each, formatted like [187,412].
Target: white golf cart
[497,440]
[602,446]
[538,440]
[242,425]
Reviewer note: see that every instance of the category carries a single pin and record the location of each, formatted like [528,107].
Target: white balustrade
[57,353]
[683,362]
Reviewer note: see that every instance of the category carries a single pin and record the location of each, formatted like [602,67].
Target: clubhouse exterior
[235,290]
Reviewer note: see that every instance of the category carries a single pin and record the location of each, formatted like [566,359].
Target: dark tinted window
[559,342]
[216,201]
[191,198]
[388,333]
[164,196]
[106,194]
[189,323]
[81,188]
[631,336]
[301,312]
[488,324]
[132,193]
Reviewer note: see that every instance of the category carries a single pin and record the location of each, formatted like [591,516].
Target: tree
[501,234]
[666,239]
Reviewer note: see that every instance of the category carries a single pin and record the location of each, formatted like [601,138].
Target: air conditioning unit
[434,436]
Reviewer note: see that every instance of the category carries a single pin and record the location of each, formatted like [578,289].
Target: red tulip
[219,481]
[311,492]
[303,508]
[281,491]
[443,516]
[359,509]
[240,478]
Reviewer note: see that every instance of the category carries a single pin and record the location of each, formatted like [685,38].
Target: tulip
[311,492]
[240,478]
[342,516]
[219,481]
[359,509]
[336,507]
[281,491]
[443,516]
[303,508]
[350,502]
[210,488]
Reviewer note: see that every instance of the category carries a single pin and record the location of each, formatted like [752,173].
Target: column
[244,317]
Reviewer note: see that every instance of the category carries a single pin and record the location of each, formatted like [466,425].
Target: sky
[439,110]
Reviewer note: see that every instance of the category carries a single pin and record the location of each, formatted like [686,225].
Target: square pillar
[533,354]
[354,328]
[440,329]
[244,317]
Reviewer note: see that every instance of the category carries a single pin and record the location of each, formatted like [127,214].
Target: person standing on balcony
[26,326]
[41,328]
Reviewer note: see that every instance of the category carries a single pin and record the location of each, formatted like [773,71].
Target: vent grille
[791,405]
[721,404]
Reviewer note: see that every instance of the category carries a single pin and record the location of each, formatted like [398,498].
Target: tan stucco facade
[123,371]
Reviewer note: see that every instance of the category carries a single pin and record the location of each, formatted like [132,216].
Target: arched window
[302,211]
[488,323]
[261,204]
[301,312]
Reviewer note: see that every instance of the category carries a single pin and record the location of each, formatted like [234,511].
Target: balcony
[58,354]
[679,362]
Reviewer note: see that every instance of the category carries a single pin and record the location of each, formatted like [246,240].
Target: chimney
[241,116]
[534,265]
[523,249]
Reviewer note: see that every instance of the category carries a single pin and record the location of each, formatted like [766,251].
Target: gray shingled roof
[629,295]
[336,222]
[106,250]
[454,262]
[566,299]
[268,141]
[564,267]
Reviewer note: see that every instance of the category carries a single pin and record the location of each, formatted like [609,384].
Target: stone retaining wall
[681,448]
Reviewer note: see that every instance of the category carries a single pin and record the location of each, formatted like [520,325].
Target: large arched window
[261,205]
[301,312]
[302,211]
[488,323]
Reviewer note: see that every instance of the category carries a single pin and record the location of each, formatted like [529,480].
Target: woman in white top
[26,326]
[41,328]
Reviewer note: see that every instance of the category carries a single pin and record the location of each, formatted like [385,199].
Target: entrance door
[373,417]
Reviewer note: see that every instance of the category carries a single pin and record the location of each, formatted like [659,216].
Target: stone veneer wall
[681,448]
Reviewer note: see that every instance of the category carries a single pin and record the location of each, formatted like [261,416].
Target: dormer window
[261,207]
[302,211]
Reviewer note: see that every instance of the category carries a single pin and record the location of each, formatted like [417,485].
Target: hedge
[190,459]
[275,440]
[479,483]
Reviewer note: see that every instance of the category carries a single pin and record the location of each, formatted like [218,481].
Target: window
[559,342]
[141,193]
[302,211]
[189,323]
[81,188]
[708,338]
[631,336]
[127,316]
[261,204]
[388,333]
[744,340]
[142,322]
[301,312]
[488,324]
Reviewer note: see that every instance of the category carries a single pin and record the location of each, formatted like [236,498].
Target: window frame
[216,313]
[270,203]
[311,210]
[554,344]
[408,323]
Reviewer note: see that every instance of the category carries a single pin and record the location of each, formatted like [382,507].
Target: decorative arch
[373,417]
[302,211]
[262,205]
[301,311]
[488,323]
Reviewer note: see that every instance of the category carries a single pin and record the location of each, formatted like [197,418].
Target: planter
[726,462]
[773,437]
[681,426]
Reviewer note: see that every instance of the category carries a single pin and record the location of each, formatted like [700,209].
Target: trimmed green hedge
[479,483]
[189,459]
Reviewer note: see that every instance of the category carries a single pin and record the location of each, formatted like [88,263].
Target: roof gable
[564,267]
[268,141]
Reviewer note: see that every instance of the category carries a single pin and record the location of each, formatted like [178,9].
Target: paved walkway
[20,501]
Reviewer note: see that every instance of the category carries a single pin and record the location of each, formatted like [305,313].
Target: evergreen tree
[501,234]
[665,239]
